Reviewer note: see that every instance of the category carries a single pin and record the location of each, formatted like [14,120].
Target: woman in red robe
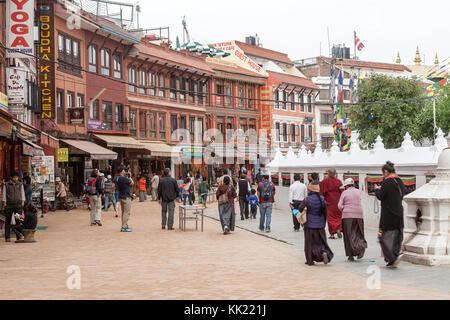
[330,188]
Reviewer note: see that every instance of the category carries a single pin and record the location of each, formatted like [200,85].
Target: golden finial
[398,61]
[436,60]
[417,60]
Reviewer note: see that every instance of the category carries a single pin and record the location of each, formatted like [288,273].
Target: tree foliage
[391,121]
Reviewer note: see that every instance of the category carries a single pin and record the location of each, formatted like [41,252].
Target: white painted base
[427,260]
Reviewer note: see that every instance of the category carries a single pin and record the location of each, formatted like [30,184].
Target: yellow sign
[63,155]
[3,101]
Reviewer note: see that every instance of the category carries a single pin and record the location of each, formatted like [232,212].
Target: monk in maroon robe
[330,188]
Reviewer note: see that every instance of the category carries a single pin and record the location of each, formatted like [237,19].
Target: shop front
[82,157]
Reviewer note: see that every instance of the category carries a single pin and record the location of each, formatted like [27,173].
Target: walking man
[244,193]
[95,192]
[13,201]
[124,184]
[266,195]
[155,185]
[297,193]
[168,192]
[110,193]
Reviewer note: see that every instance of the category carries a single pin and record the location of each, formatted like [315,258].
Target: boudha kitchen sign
[19,28]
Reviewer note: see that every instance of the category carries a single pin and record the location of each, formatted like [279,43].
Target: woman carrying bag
[226,193]
[316,246]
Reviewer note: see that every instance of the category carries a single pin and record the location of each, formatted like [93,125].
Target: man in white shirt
[297,193]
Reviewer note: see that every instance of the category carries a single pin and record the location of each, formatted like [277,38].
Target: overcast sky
[299,27]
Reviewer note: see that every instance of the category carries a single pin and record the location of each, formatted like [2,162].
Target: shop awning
[120,141]
[158,149]
[31,149]
[94,150]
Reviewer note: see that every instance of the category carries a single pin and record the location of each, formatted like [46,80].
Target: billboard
[19,28]
[15,83]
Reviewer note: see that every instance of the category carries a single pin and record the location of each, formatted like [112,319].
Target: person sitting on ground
[28,221]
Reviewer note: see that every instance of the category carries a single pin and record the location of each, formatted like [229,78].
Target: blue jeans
[108,197]
[187,196]
[265,209]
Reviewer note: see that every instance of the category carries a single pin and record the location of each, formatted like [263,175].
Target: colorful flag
[358,44]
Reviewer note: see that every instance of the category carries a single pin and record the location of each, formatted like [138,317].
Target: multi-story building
[289,96]
[318,70]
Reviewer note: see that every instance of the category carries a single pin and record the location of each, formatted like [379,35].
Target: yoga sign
[19,28]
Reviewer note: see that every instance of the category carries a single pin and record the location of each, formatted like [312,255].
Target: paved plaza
[151,263]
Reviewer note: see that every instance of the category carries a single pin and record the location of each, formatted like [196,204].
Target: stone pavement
[417,276]
[151,263]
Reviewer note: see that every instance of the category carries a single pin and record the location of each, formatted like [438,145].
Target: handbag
[301,216]
[223,198]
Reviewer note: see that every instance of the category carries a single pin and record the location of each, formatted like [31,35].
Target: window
[277,100]
[200,129]
[310,104]
[60,106]
[220,98]
[285,132]
[92,51]
[133,123]
[70,99]
[228,94]
[277,129]
[284,103]
[142,125]
[69,54]
[161,84]
[191,98]
[346,94]
[152,124]
[120,124]
[302,103]
[93,111]
[230,128]
[192,129]
[293,133]
[221,129]
[162,126]
[243,125]
[131,79]
[182,89]
[252,124]
[104,62]
[152,83]
[324,94]
[293,101]
[173,124]
[302,133]
[173,87]
[326,118]
[200,92]
[310,133]
[327,142]
[241,95]
[107,115]
[251,96]
[142,82]
[80,101]
[117,66]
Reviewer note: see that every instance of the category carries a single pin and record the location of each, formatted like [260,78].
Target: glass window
[200,129]
[162,126]
[284,103]
[152,83]
[292,130]
[192,129]
[80,101]
[228,94]
[173,123]
[92,50]
[133,123]
[277,100]
[131,79]
[277,131]
[285,132]
[324,94]
[142,82]
[107,115]
[220,94]
[302,133]
[68,46]
[60,106]
[162,85]
[241,96]
[152,124]
[93,111]
[302,103]
[60,43]
[182,89]
[76,48]
[104,62]
[142,125]
[191,91]
[310,104]
[120,125]
[173,87]
[292,102]
[250,96]
[117,66]
[200,92]
[70,99]
[310,133]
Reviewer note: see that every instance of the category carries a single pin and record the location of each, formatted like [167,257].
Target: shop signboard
[16,109]
[15,84]
[76,115]
[95,125]
[27,150]
[19,28]
[43,174]
[63,155]
[3,101]
[192,151]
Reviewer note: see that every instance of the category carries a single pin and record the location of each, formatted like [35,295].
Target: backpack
[90,186]
[266,191]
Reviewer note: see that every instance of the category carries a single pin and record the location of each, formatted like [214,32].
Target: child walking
[253,201]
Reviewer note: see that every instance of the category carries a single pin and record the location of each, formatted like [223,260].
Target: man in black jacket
[244,193]
[168,192]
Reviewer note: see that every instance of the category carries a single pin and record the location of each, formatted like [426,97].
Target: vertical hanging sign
[19,28]
[47,58]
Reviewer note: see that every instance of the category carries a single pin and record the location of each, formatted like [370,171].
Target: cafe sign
[15,84]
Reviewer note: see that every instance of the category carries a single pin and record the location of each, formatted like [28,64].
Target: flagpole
[434,118]
[354,44]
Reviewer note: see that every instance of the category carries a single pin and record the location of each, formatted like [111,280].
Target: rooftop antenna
[329,47]
[138,11]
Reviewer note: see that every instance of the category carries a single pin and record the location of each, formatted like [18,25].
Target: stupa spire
[398,61]
[417,60]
